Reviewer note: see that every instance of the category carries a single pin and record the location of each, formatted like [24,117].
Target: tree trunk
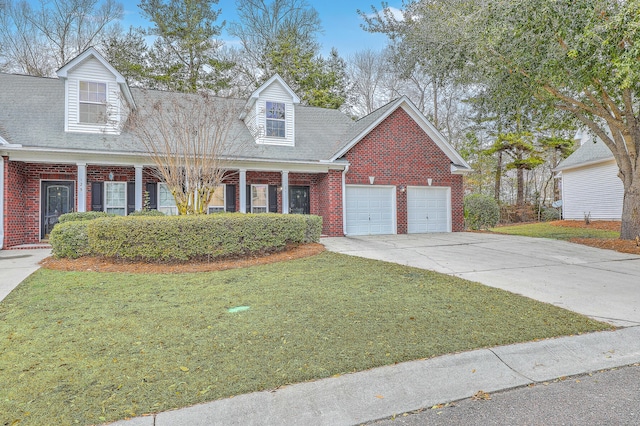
[498,181]
[630,228]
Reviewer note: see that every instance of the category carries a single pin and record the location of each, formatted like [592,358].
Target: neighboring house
[389,172]
[590,183]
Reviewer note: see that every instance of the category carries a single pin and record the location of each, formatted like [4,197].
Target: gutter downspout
[344,199]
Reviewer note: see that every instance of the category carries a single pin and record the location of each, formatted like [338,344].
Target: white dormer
[96,94]
[269,113]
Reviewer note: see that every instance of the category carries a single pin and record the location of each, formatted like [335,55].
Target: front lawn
[88,347]
[558,230]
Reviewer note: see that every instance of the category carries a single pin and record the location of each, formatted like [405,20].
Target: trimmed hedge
[76,216]
[146,213]
[183,238]
[69,239]
[480,211]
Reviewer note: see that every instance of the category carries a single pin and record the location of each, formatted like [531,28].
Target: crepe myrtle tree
[579,57]
[188,137]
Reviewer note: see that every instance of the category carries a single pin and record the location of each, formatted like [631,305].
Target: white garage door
[428,210]
[370,210]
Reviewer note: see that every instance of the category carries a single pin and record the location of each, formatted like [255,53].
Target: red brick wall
[22,198]
[22,193]
[398,152]
[330,204]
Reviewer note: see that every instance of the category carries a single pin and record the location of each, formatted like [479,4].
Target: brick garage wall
[330,204]
[398,152]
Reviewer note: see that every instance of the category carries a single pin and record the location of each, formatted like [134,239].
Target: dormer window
[275,119]
[93,102]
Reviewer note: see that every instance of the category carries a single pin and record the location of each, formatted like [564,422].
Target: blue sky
[340,22]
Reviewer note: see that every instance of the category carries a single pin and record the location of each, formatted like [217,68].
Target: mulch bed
[623,246]
[98,264]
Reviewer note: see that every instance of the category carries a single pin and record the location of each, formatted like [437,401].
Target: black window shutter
[152,189]
[248,198]
[230,198]
[273,199]
[131,197]
[96,197]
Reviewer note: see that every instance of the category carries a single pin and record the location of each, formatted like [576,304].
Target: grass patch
[548,230]
[86,347]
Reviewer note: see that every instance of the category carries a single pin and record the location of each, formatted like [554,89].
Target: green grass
[546,230]
[87,347]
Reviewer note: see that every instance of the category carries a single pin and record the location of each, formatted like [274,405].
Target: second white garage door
[428,210]
[370,210]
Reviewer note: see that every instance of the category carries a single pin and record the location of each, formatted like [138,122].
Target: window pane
[166,202]
[217,200]
[275,128]
[93,113]
[275,110]
[259,195]
[258,209]
[115,197]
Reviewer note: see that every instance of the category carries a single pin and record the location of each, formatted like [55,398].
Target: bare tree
[367,72]
[39,40]
[188,137]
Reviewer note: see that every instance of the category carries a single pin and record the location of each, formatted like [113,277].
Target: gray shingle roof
[592,150]
[33,116]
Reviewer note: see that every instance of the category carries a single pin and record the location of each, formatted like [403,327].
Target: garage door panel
[427,209]
[370,210]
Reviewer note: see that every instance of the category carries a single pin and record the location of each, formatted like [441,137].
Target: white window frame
[93,102]
[266,198]
[108,206]
[280,121]
[218,209]
[167,209]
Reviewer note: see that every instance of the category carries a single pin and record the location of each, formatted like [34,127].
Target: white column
[82,187]
[138,183]
[1,202]
[285,192]
[243,191]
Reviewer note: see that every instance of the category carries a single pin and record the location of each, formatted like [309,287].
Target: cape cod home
[590,183]
[389,172]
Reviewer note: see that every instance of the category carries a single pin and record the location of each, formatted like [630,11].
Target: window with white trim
[275,125]
[93,102]
[217,203]
[166,200]
[259,198]
[115,198]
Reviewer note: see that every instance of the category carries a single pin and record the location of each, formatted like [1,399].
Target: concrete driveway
[602,284]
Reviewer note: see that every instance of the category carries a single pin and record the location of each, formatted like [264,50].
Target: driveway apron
[601,284]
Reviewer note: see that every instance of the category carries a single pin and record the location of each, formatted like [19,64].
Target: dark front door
[57,198]
[299,200]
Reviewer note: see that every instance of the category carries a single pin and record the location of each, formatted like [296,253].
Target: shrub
[480,211]
[69,239]
[549,214]
[76,216]
[147,212]
[182,238]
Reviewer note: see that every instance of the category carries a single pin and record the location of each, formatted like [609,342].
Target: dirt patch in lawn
[623,246]
[99,264]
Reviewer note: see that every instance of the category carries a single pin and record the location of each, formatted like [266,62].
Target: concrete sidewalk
[16,265]
[382,392]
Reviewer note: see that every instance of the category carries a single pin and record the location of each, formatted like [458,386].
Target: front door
[57,198]
[299,200]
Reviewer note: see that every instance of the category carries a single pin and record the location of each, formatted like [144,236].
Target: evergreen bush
[480,211]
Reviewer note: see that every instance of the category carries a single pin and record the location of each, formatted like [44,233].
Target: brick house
[389,172]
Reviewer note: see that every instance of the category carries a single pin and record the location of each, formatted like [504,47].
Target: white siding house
[590,183]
